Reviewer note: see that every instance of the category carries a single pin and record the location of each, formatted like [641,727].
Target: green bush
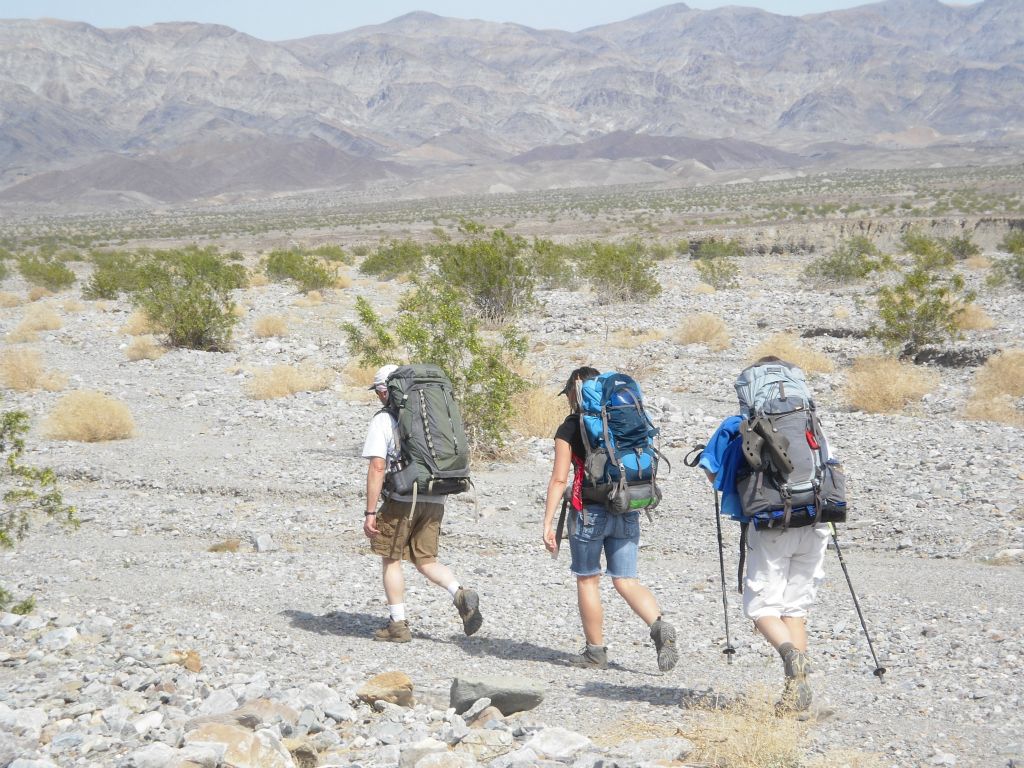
[114,273]
[851,261]
[188,295]
[961,247]
[927,253]
[433,327]
[493,272]
[661,251]
[924,307]
[394,258]
[619,271]
[28,491]
[306,270]
[720,249]
[1010,269]
[683,248]
[333,253]
[718,271]
[554,265]
[48,273]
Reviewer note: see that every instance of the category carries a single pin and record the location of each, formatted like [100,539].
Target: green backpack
[431,440]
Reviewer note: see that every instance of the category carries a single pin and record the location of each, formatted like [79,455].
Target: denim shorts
[618,536]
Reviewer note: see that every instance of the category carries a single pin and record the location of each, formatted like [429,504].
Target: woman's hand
[549,540]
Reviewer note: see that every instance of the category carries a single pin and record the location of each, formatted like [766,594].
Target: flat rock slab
[390,687]
[507,694]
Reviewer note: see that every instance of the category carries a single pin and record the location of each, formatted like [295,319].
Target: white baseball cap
[380,378]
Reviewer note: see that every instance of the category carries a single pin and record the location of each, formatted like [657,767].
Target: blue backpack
[621,463]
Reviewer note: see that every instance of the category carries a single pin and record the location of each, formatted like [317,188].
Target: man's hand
[370,526]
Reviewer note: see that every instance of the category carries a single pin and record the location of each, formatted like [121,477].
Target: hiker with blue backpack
[772,465]
[607,439]
[418,456]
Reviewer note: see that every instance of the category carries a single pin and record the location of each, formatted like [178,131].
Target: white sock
[397,611]
[453,588]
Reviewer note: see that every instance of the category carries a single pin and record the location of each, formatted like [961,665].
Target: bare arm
[374,483]
[556,487]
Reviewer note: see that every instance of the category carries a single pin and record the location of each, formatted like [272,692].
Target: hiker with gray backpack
[607,439]
[418,456]
[777,478]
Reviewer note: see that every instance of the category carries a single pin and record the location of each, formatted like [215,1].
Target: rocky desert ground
[146,648]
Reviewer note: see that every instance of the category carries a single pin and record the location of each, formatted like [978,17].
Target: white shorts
[784,569]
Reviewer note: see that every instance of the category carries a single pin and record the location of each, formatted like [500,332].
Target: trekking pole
[729,651]
[879,669]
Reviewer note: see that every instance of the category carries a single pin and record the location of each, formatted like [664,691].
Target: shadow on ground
[686,698]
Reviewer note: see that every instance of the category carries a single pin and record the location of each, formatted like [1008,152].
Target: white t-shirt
[381,443]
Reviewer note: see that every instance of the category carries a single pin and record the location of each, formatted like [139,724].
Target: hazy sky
[286,19]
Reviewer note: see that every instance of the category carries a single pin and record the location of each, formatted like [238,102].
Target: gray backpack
[790,480]
[432,442]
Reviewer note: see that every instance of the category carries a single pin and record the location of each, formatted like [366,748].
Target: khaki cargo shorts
[400,538]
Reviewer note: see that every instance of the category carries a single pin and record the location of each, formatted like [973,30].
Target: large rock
[389,687]
[155,755]
[507,694]
[243,748]
[557,743]
[413,753]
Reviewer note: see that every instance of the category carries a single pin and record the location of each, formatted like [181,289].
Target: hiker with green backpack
[418,456]
[607,439]
[777,478]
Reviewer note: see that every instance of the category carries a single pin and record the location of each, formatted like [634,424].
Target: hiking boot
[796,696]
[664,636]
[394,632]
[591,657]
[467,601]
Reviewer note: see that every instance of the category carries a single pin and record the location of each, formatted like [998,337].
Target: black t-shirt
[569,430]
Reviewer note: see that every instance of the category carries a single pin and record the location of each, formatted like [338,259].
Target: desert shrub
[682,247]
[139,324]
[977,262]
[89,417]
[922,309]
[661,251]
[885,384]
[311,299]
[927,253]
[144,348]
[851,261]
[788,348]
[113,273]
[5,271]
[394,258]
[22,370]
[39,317]
[8,300]
[47,273]
[703,328]
[971,317]
[27,491]
[492,271]
[306,270]
[1013,242]
[189,297]
[37,292]
[716,265]
[553,264]
[1010,269]
[631,338]
[433,327]
[342,280]
[619,271]
[719,249]
[333,253]
[284,380]
[257,279]
[270,325]
[962,247]
[537,412]
[359,376]
[998,389]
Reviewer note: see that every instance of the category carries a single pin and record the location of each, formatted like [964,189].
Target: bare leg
[394,580]
[775,630]
[588,595]
[797,627]
[639,598]
[438,573]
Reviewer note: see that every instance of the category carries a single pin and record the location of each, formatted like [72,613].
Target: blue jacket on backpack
[722,457]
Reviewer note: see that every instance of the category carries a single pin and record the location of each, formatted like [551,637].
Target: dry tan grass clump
[89,417]
[239,310]
[788,347]
[703,289]
[841,313]
[629,338]
[258,279]
[538,411]
[343,280]
[40,317]
[284,380]
[977,262]
[139,324]
[971,317]
[228,545]
[73,306]
[311,299]
[746,734]
[885,385]
[359,376]
[144,348]
[703,328]
[270,325]
[37,292]
[997,387]
[8,300]
[22,370]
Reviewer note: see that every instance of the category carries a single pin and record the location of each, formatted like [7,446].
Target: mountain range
[182,111]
